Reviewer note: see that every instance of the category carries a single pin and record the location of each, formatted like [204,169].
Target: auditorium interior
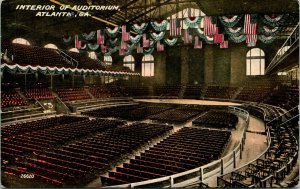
[149,93]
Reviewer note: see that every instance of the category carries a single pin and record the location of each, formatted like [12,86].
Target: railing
[64,105]
[67,58]
[200,174]
[286,113]
[286,47]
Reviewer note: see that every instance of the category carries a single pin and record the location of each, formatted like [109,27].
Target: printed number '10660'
[27,176]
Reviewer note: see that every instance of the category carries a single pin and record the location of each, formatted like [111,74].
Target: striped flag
[187,37]
[249,25]
[224,45]
[175,29]
[209,27]
[198,44]
[123,45]
[146,42]
[100,38]
[125,34]
[251,38]
[76,42]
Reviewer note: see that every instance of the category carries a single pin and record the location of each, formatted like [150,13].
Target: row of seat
[217,118]
[179,152]
[39,94]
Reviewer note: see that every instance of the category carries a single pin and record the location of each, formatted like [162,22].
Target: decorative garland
[234,31]
[89,36]
[270,31]
[170,42]
[93,47]
[200,33]
[230,21]
[162,26]
[192,22]
[274,21]
[238,39]
[112,32]
[114,42]
[67,40]
[135,39]
[266,39]
[148,51]
[157,37]
[139,29]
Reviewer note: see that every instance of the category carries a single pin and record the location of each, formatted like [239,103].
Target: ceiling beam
[148,11]
[157,4]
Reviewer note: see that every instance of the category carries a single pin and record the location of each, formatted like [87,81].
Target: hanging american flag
[198,44]
[159,46]
[123,45]
[250,25]
[125,34]
[175,29]
[139,49]
[209,27]
[224,45]
[146,42]
[187,37]
[100,38]
[251,39]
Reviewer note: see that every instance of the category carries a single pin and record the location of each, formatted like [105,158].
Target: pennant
[160,47]
[139,49]
[100,38]
[146,42]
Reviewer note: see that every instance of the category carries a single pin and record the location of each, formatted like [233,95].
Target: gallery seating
[39,93]
[73,94]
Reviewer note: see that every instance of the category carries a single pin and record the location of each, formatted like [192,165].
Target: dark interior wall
[222,63]
[196,66]
[173,65]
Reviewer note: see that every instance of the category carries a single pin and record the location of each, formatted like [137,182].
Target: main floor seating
[220,92]
[187,149]
[254,93]
[193,91]
[217,118]
[171,91]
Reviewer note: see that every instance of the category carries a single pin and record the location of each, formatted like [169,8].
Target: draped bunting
[269,30]
[93,47]
[112,32]
[157,37]
[230,21]
[135,39]
[54,70]
[67,39]
[235,31]
[266,39]
[274,20]
[114,42]
[170,42]
[238,39]
[139,28]
[89,36]
[148,50]
[160,26]
[192,22]
[200,33]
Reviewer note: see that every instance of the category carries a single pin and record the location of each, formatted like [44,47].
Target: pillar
[160,67]
[208,64]
[184,65]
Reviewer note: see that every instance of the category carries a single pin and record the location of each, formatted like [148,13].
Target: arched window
[108,60]
[148,65]
[255,62]
[92,55]
[129,62]
[74,50]
[50,46]
[21,41]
